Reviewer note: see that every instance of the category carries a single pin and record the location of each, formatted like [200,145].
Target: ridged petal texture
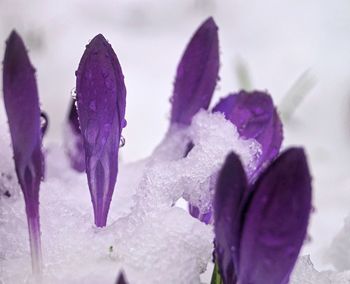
[232,186]
[197,74]
[101,98]
[255,116]
[23,112]
[276,220]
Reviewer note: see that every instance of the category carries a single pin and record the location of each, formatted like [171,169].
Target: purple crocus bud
[101,98]
[121,279]
[74,143]
[197,74]
[231,188]
[276,220]
[23,112]
[255,116]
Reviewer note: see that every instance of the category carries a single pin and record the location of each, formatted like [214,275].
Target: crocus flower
[255,116]
[261,227]
[197,74]
[101,98]
[195,81]
[23,112]
[74,140]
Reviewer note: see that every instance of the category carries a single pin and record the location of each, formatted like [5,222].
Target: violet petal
[197,74]
[101,98]
[205,217]
[231,188]
[276,220]
[23,113]
[74,143]
[255,117]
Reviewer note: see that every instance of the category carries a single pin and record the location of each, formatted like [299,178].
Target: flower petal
[197,74]
[74,143]
[101,98]
[23,113]
[231,188]
[255,117]
[276,220]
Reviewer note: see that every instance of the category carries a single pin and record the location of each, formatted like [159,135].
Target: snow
[146,233]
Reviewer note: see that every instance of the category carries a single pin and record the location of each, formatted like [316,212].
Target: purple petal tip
[276,221]
[121,279]
[197,74]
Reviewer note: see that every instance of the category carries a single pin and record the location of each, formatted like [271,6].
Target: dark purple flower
[23,112]
[255,116]
[195,82]
[197,74]
[101,98]
[74,143]
[270,220]
[232,186]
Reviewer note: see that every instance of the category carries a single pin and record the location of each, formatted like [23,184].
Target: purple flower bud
[101,98]
[74,143]
[197,74]
[23,112]
[255,117]
[276,220]
[232,186]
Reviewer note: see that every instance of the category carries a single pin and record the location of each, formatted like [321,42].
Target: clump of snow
[148,237]
[304,272]
[339,253]
[8,180]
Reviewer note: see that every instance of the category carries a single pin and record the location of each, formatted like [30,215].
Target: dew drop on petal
[122,142]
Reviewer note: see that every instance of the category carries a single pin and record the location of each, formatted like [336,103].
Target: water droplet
[122,142]
[73,94]
[92,105]
[44,121]
[124,123]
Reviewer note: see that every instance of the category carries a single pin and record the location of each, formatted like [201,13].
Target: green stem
[216,277]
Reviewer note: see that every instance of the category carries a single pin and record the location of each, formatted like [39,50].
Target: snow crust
[148,237]
[305,272]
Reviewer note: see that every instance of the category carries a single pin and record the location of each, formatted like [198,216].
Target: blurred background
[297,50]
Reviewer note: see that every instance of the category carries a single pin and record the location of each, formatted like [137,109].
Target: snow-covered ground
[277,41]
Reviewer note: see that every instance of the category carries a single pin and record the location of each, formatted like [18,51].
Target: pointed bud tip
[98,41]
[14,39]
[210,23]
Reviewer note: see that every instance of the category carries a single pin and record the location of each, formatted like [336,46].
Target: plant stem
[216,277]
[35,244]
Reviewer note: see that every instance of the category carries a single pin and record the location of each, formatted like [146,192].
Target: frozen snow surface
[148,237]
[305,273]
[8,181]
